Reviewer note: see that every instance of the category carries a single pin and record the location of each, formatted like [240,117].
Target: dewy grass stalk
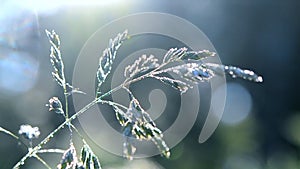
[135,121]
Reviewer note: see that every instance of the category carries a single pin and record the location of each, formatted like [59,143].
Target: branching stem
[68,120]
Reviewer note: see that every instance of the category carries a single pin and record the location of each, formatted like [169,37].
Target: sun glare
[48,6]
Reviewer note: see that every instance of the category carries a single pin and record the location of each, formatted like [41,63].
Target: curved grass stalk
[196,73]
[34,150]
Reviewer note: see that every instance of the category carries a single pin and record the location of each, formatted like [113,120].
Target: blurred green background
[261,123]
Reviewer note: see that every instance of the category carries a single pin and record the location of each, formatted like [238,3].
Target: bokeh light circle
[238,104]
[18,72]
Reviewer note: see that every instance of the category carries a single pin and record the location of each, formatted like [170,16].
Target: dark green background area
[262,35]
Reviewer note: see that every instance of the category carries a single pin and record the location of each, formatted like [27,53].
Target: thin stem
[30,143]
[127,90]
[59,151]
[66,102]
[162,71]
[81,111]
[67,109]
[42,161]
[9,133]
[112,103]
[12,135]
[82,138]
[76,130]
[48,138]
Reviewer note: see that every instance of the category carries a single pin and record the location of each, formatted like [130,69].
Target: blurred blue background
[261,122]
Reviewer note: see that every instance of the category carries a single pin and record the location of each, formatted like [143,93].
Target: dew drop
[259,79]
